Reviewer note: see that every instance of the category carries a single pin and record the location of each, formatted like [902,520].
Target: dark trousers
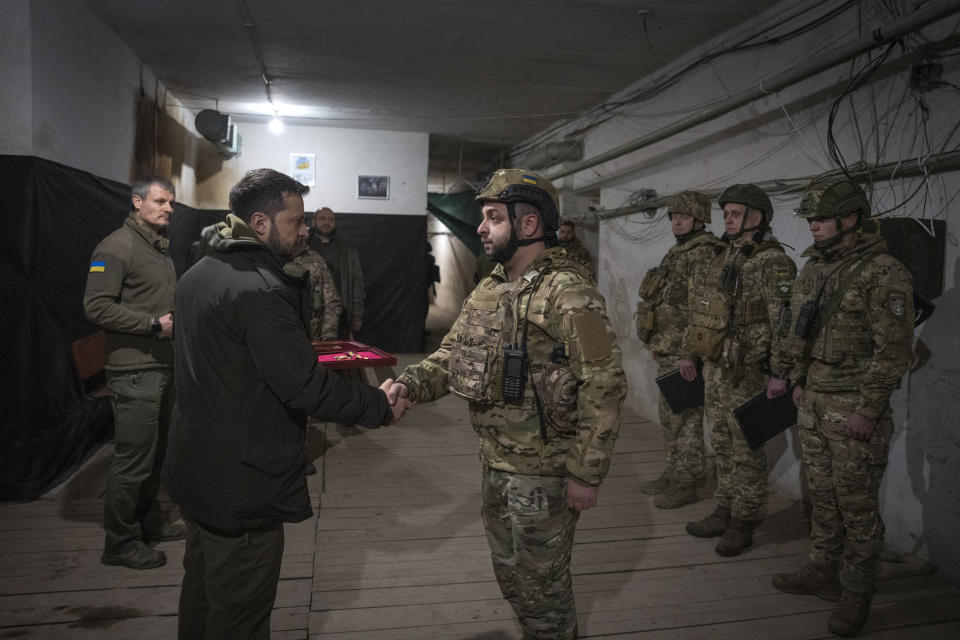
[142,404]
[229,583]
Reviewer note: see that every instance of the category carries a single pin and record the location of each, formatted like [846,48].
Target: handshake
[397,394]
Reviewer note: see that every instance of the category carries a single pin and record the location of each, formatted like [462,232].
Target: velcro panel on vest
[594,341]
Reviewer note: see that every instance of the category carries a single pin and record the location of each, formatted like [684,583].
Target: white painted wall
[341,155]
[783,136]
[16,99]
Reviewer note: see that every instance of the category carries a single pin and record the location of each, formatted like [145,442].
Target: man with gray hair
[129,292]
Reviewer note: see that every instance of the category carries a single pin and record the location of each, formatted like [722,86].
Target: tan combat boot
[737,537]
[677,495]
[851,612]
[713,525]
[656,486]
[812,580]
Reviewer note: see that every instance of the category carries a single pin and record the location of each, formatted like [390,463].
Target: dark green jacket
[130,282]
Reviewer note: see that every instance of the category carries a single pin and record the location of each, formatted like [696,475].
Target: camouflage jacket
[324,301]
[581,388]
[865,345]
[735,311]
[663,311]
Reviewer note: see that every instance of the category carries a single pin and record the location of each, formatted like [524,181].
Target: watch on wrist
[156,327]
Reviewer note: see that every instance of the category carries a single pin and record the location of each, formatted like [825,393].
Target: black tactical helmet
[750,195]
[833,198]
[520,185]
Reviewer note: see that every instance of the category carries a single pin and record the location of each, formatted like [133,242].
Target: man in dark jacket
[250,378]
[129,292]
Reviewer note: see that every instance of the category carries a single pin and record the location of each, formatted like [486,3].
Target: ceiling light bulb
[275,126]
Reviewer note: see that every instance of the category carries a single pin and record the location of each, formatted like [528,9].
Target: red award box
[347,354]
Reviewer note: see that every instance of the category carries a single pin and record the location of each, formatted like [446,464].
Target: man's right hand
[397,394]
[688,370]
[166,326]
[797,392]
[775,387]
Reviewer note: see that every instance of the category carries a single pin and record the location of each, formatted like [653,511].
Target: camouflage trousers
[843,479]
[530,531]
[741,472]
[682,434]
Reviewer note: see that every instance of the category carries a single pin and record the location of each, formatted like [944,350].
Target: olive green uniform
[324,300]
[576,249]
[734,315]
[131,282]
[576,370]
[852,362]
[662,317]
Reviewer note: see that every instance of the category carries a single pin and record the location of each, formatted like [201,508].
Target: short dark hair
[141,186]
[263,190]
[567,223]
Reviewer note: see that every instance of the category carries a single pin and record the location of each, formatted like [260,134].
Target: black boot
[713,525]
[737,537]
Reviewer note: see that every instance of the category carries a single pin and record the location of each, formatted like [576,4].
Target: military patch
[805,285]
[98,267]
[895,303]
[595,342]
[784,280]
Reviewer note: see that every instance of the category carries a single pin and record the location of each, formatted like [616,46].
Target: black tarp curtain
[53,218]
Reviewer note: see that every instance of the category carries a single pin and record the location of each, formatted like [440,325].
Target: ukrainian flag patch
[98,267]
[529,179]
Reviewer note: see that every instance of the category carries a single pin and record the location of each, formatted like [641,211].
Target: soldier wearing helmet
[661,317]
[847,346]
[735,310]
[534,354]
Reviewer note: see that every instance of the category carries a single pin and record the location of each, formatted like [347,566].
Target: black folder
[680,394]
[760,419]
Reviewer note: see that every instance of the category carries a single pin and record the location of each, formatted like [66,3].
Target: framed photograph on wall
[373,187]
[303,168]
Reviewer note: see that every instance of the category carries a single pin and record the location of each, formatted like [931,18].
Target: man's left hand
[860,427]
[581,498]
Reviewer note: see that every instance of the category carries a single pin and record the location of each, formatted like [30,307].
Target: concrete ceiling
[478,75]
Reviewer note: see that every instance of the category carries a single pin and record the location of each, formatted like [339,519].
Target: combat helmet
[837,198]
[519,185]
[750,195]
[692,203]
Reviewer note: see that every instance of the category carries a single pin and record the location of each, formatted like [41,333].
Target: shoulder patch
[592,335]
[784,280]
[98,266]
[895,303]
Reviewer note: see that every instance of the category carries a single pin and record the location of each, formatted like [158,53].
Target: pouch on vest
[652,283]
[645,320]
[709,322]
[469,375]
[558,388]
[846,333]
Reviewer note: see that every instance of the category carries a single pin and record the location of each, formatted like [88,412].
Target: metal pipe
[938,163]
[918,19]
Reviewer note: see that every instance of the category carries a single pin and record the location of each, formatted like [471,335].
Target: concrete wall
[341,155]
[784,137]
[70,87]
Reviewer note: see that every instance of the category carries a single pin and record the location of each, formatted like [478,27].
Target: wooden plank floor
[397,551]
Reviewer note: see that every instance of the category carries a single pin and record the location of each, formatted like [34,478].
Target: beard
[281,247]
[503,252]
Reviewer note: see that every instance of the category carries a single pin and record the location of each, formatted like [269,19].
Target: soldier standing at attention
[324,301]
[343,260]
[734,316]
[848,348]
[568,240]
[662,316]
[129,292]
[535,355]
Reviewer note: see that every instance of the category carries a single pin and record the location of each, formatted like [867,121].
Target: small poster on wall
[303,168]
[373,187]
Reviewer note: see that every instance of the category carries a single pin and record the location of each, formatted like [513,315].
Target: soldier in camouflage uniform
[734,315]
[534,354]
[324,301]
[661,319]
[568,240]
[845,359]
